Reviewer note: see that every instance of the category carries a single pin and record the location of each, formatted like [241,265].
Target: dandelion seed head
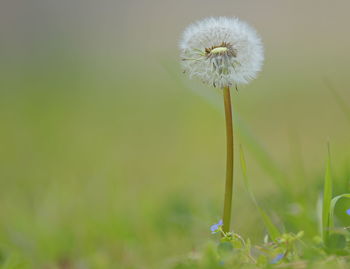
[221,51]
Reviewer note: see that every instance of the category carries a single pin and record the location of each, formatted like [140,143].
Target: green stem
[229,161]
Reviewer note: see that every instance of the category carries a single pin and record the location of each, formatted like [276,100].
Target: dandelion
[223,52]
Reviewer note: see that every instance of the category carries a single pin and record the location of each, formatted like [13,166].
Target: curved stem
[229,161]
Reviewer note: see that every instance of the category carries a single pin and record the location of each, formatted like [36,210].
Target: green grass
[102,170]
[326,202]
[271,229]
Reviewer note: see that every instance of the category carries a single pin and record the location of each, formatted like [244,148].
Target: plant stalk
[229,160]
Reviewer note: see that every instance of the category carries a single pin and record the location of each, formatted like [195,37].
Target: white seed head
[221,51]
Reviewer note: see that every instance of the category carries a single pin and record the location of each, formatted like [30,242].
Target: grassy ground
[111,167]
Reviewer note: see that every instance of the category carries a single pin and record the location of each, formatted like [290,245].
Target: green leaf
[244,169]
[336,241]
[270,227]
[332,207]
[327,197]
[225,247]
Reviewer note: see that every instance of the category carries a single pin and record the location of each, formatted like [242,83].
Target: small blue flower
[215,228]
[277,258]
[348,211]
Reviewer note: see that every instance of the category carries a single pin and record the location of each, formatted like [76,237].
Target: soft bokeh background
[111,158]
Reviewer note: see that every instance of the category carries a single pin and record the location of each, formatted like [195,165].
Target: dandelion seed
[277,258]
[221,51]
[348,211]
[216,227]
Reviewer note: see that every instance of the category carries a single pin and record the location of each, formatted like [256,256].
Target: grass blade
[332,207]
[327,197]
[279,177]
[270,227]
[342,104]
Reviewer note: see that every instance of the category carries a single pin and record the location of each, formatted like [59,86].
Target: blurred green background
[111,158]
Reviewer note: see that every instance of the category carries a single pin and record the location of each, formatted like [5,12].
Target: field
[117,160]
